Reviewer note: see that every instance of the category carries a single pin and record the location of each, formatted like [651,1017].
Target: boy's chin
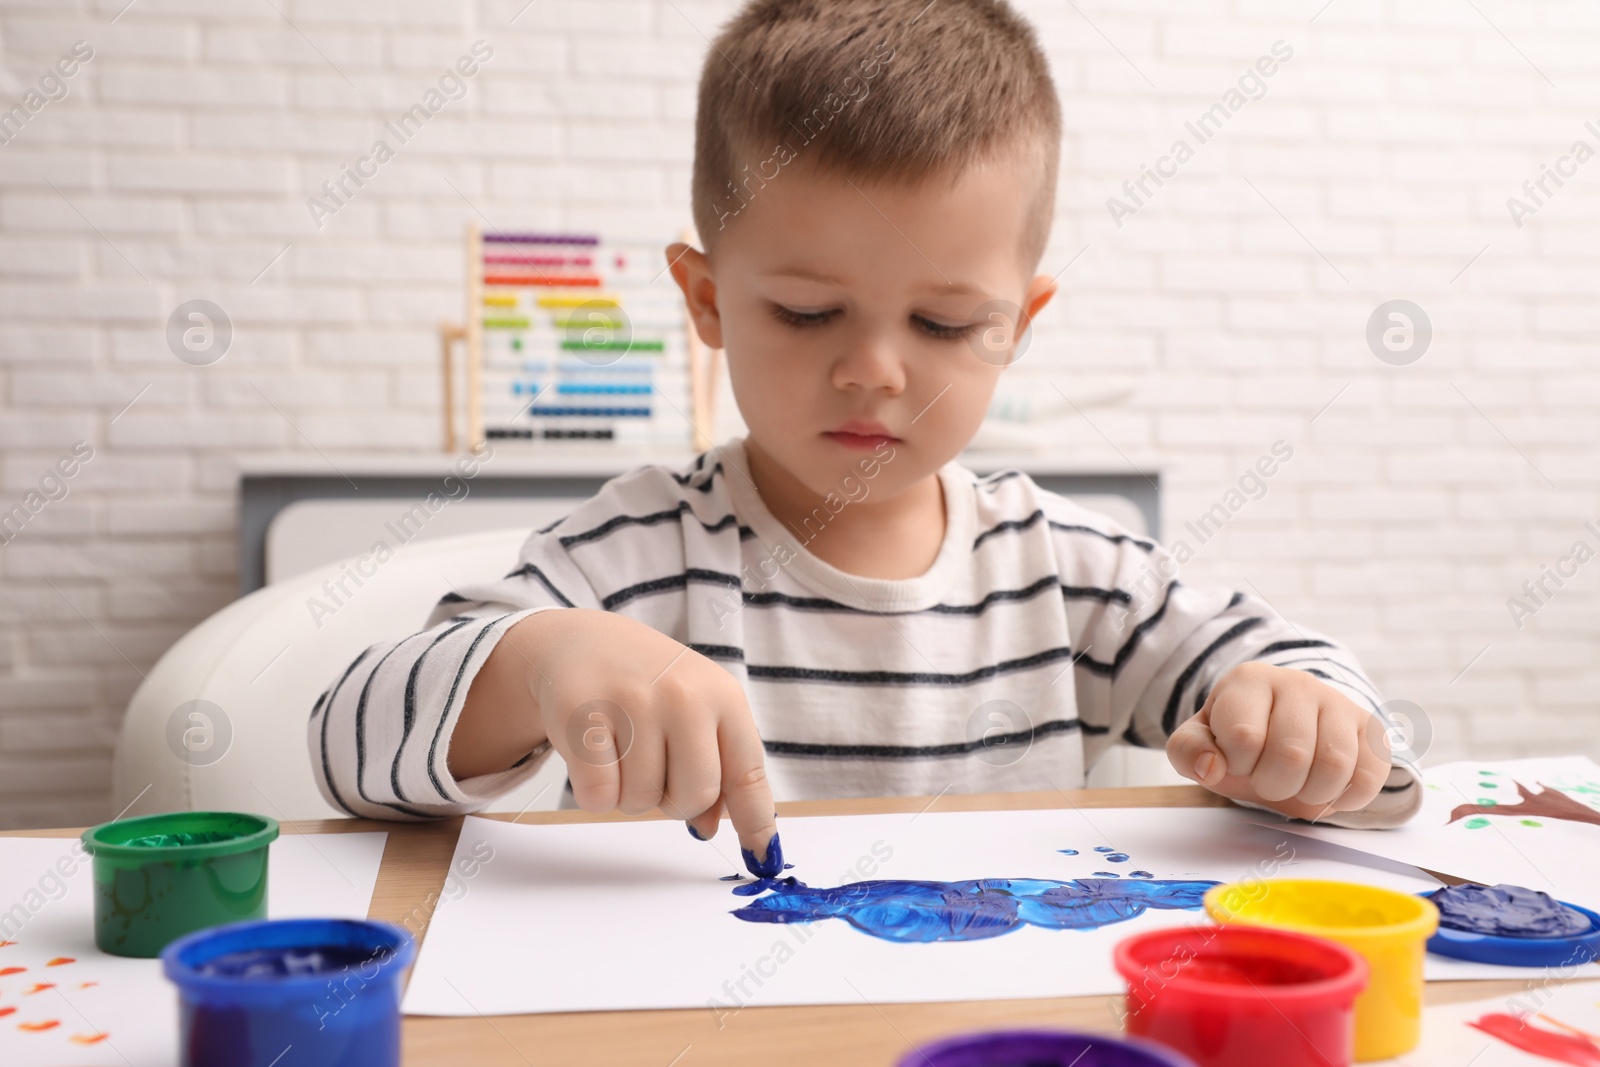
[865,475]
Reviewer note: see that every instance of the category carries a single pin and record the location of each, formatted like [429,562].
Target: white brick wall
[182,157]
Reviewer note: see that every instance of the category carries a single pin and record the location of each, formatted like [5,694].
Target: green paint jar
[159,877]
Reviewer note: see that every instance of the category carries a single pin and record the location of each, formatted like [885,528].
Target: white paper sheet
[321,875]
[631,915]
[1556,855]
[1449,1041]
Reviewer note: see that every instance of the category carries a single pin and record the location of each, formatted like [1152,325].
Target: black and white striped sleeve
[1148,656]
[380,734]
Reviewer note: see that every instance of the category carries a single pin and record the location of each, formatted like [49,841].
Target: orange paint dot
[40,987]
[89,1039]
[4,944]
[34,1028]
[86,985]
[11,970]
[60,961]
[6,1011]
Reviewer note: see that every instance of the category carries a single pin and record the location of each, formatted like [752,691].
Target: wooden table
[873,1035]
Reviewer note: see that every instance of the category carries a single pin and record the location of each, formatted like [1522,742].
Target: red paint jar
[1237,995]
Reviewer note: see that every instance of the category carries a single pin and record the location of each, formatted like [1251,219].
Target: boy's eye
[937,330]
[801,318]
[941,331]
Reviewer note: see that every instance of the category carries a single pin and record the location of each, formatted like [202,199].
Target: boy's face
[851,312]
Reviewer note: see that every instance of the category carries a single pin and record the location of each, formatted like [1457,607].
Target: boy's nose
[870,363]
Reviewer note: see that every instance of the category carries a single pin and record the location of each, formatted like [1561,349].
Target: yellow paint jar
[1389,929]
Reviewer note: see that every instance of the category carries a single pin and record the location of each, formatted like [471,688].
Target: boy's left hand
[1281,738]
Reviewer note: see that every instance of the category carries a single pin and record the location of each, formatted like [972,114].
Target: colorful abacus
[570,336]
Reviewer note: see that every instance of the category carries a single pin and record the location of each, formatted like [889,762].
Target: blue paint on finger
[770,867]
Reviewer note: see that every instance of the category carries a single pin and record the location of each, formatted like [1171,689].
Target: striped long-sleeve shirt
[1041,634]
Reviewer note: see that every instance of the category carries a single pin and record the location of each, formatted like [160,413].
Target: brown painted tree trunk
[1549,804]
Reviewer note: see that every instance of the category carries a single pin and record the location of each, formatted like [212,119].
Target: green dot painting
[1487,802]
[1531,822]
[1477,824]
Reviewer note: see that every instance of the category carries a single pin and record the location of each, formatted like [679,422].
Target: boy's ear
[692,271]
[1040,290]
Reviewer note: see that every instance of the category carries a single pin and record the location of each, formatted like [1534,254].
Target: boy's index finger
[748,795]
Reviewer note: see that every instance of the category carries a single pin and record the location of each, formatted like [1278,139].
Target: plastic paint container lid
[1042,1048]
[1519,951]
[159,877]
[1226,995]
[330,988]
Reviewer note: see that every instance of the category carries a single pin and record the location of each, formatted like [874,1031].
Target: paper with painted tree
[1528,822]
[63,1001]
[902,907]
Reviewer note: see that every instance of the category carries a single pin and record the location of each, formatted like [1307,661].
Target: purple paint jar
[1042,1048]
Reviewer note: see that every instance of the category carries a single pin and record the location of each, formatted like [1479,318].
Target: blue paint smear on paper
[912,911]
[1067,851]
[1104,848]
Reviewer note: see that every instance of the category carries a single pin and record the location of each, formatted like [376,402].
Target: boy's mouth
[859,434]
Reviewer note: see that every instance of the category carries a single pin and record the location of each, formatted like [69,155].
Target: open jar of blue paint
[1512,926]
[329,989]
[1043,1048]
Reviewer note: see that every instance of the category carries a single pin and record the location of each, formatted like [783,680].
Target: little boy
[831,605]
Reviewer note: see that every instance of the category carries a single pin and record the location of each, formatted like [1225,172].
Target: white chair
[262,661]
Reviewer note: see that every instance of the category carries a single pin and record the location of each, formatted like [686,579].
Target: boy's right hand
[643,722]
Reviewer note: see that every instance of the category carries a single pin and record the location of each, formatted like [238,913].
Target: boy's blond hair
[889,90]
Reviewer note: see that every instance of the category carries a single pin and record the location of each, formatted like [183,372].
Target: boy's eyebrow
[805,273]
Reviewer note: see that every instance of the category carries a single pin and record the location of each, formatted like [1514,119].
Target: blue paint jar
[1513,927]
[311,992]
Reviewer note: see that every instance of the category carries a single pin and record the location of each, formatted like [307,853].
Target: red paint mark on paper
[34,1028]
[1519,1032]
[86,985]
[11,970]
[61,961]
[6,944]
[6,1011]
[1559,1025]
[39,987]
[89,1039]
